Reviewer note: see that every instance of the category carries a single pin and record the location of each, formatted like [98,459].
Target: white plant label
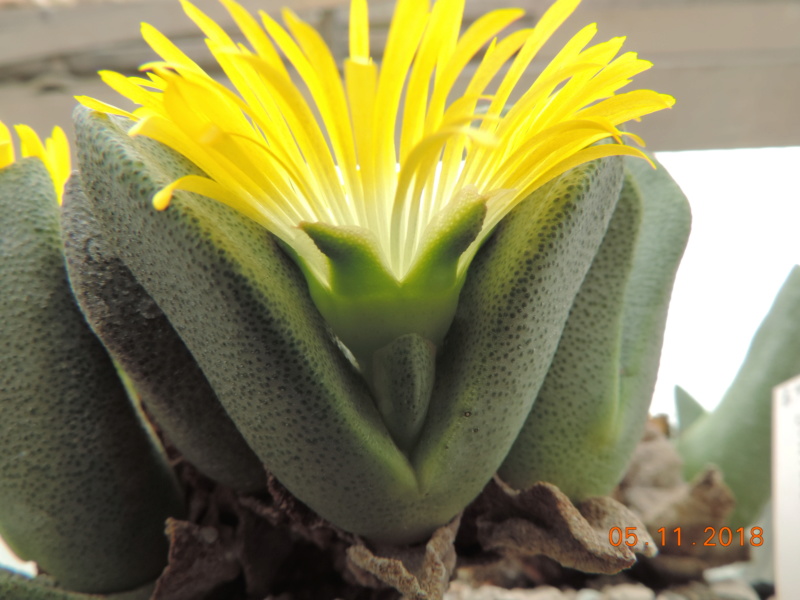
[786,487]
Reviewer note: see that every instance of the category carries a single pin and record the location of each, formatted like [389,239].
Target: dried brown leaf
[655,489]
[417,572]
[200,559]
[543,521]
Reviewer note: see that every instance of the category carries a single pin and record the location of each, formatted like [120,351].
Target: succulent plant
[503,314]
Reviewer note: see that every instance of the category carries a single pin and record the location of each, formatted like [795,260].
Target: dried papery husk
[542,521]
[417,572]
[655,489]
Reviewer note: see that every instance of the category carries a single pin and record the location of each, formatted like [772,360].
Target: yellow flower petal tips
[54,152]
[384,226]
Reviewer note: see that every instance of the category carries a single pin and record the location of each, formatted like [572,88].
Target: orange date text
[713,536]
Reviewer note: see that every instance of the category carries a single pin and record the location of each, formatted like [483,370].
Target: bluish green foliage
[140,339]
[592,407]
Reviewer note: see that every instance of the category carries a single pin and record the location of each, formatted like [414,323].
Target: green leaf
[143,343]
[591,410]
[688,409]
[510,318]
[403,374]
[84,489]
[243,309]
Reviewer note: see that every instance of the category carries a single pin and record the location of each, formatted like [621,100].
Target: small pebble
[733,589]
[628,591]
[209,534]
[460,591]
[720,590]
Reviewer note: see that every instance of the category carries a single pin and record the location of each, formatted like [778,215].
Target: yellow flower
[54,153]
[381,225]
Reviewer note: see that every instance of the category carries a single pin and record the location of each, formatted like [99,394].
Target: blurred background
[732,141]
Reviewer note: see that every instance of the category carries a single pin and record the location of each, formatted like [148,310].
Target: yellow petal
[545,28]
[30,144]
[251,30]
[359,31]
[207,25]
[6,146]
[478,35]
[405,34]
[330,97]
[58,160]
[168,51]
[54,152]
[331,155]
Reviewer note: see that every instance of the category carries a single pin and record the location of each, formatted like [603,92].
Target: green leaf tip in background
[687,408]
[244,311]
[736,436]
[141,340]
[591,410]
[85,490]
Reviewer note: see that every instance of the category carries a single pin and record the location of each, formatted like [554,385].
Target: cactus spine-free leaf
[592,407]
[736,436]
[144,344]
[510,318]
[84,490]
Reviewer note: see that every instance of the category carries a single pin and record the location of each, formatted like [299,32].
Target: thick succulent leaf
[14,586]
[736,436]
[570,437]
[84,490]
[510,318]
[402,375]
[593,405]
[666,223]
[142,341]
[243,309]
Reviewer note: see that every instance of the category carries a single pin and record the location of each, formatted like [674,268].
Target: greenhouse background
[734,65]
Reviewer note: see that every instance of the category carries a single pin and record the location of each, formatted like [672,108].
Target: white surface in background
[745,239]
[786,487]
[8,559]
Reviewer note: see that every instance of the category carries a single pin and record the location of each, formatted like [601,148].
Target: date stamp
[714,536]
